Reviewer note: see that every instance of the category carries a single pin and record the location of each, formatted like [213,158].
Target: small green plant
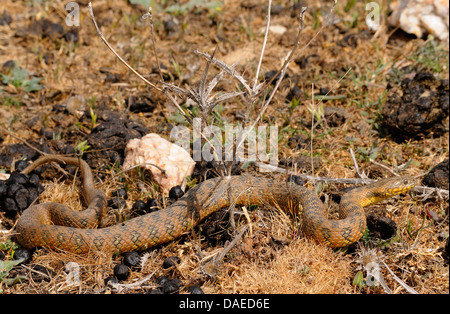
[5,268]
[8,245]
[367,154]
[305,270]
[19,79]
[316,18]
[146,3]
[358,280]
[11,101]
[191,182]
[432,56]
[92,102]
[178,118]
[177,68]
[414,231]
[292,105]
[349,5]
[317,113]
[369,241]
[93,117]
[178,9]
[288,117]
[82,147]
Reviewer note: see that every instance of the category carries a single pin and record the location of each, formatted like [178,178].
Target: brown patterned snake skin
[55,226]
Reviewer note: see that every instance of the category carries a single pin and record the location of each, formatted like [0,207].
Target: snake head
[398,185]
[386,188]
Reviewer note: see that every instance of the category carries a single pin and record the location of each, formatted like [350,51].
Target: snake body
[55,226]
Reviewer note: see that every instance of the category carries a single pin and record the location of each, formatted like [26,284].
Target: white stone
[275,29]
[153,149]
[421,16]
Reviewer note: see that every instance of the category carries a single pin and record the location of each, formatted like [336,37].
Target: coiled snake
[55,226]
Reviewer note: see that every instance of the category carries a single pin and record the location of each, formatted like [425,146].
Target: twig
[266,35]
[163,172]
[91,12]
[202,86]
[323,26]
[247,216]
[334,97]
[291,54]
[228,69]
[384,167]
[170,97]
[281,74]
[36,271]
[121,286]
[150,16]
[326,97]
[442,193]
[35,149]
[210,267]
[361,175]
[313,112]
[307,44]
[401,282]
[312,179]
[236,239]
[315,179]
[22,140]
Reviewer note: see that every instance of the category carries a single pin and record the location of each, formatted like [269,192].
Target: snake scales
[55,226]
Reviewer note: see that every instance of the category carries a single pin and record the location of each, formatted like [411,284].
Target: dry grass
[300,267]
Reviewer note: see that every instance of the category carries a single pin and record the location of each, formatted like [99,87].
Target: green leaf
[19,79]
[180,9]
[20,74]
[7,79]
[374,154]
[32,85]
[7,245]
[358,280]
[145,3]
[5,268]
[12,281]
[82,146]
[350,4]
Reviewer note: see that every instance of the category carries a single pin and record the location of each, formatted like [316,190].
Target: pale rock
[75,105]
[153,149]
[421,16]
[275,29]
